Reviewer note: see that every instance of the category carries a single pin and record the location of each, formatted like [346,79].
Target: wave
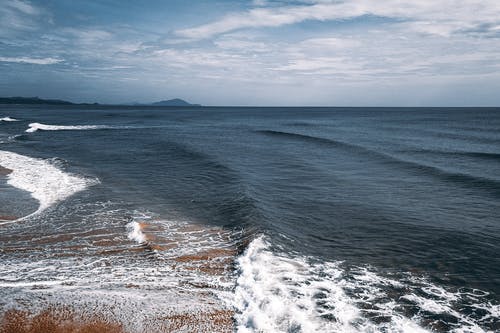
[490,156]
[47,183]
[33,127]
[487,184]
[20,137]
[8,119]
[207,182]
[470,154]
[281,293]
[303,124]
[309,138]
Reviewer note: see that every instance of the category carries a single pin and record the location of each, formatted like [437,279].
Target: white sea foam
[30,284]
[8,119]
[135,232]
[33,127]
[46,183]
[276,292]
[279,294]
[112,281]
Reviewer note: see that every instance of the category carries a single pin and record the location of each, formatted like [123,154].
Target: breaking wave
[135,232]
[280,293]
[33,127]
[8,119]
[46,182]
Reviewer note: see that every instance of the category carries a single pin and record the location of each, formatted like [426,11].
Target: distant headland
[173,102]
[32,100]
[41,101]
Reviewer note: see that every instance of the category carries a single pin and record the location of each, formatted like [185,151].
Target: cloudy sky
[231,52]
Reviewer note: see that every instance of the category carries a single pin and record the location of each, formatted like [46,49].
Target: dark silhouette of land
[41,101]
[174,102]
[32,100]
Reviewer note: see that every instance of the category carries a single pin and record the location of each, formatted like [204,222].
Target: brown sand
[215,321]
[7,218]
[54,321]
[207,255]
[215,261]
[65,320]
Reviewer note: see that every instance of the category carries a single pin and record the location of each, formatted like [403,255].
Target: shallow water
[293,219]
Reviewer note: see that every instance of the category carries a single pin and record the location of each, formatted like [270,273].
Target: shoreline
[198,267]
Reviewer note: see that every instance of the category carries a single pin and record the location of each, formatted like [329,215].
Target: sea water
[280,219]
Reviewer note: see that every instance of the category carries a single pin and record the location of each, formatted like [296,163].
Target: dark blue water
[408,194]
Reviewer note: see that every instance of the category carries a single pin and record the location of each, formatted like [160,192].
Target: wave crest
[8,119]
[276,292]
[47,183]
[33,127]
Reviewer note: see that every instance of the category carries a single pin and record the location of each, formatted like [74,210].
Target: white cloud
[27,60]
[313,64]
[424,42]
[431,16]
[16,15]
[329,44]
[241,45]
[193,59]
[259,2]
[22,6]
[256,18]
[88,36]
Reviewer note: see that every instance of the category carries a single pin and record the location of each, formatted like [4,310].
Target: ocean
[211,219]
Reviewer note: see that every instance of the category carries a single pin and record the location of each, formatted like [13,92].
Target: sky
[261,52]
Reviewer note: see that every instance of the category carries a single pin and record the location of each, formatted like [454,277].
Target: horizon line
[150,104]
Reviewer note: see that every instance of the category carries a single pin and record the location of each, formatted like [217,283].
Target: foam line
[33,127]
[8,119]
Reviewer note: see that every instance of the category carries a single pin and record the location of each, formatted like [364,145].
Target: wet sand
[54,320]
[188,305]
[4,171]
[67,320]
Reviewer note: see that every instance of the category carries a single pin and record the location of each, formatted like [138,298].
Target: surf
[34,127]
[278,292]
[8,119]
[46,183]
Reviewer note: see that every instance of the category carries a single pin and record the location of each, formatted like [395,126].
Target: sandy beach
[68,320]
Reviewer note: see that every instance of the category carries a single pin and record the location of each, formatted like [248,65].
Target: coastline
[195,263]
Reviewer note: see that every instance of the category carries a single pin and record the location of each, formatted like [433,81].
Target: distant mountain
[37,100]
[32,100]
[174,102]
